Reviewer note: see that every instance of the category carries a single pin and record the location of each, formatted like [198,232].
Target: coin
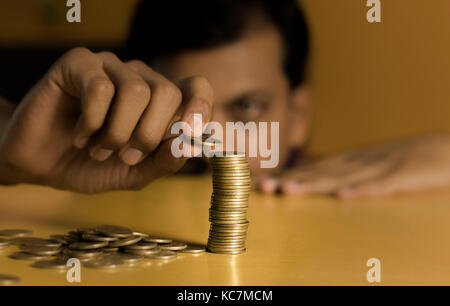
[8,280]
[156,239]
[229,203]
[114,231]
[4,243]
[94,237]
[59,239]
[57,264]
[194,249]
[145,253]
[40,250]
[34,241]
[125,241]
[141,246]
[82,254]
[173,246]
[164,255]
[27,256]
[15,232]
[86,245]
[110,250]
[129,258]
[108,262]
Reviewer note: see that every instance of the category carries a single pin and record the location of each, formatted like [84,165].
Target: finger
[165,100]
[380,187]
[269,185]
[132,98]
[80,74]
[158,164]
[198,100]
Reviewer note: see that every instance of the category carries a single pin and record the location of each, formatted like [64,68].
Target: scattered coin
[27,256]
[4,243]
[94,237]
[57,264]
[110,250]
[194,249]
[173,246]
[108,262]
[125,241]
[129,258]
[34,241]
[15,232]
[164,255]
[114,231]
[8,280]
[156,240]
[146,253]
[141,246]
[40,250]
[86,245]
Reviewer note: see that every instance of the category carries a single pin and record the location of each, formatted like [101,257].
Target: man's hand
[405,166]
[95,123]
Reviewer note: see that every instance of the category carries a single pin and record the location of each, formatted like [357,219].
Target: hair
[164,28]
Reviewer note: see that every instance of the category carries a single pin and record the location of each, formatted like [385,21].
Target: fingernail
[195,122]
[101,154]
[269,185]
[131,156]
[81,142]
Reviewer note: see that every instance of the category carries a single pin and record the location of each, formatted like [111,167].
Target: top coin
[114,231]
[15,232]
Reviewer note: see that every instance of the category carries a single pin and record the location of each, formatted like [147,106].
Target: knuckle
[109,55]
[170,92]
[137,63]
[101,86]
[77,53]
[138,88]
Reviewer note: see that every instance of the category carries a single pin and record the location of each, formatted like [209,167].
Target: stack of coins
[229,203]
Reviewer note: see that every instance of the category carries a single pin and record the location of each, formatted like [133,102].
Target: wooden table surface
[291,240]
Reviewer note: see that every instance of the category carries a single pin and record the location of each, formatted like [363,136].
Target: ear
[300,115]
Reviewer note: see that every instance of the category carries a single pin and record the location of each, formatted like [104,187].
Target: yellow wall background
[370,82]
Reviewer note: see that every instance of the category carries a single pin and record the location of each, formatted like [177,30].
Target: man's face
[248,81]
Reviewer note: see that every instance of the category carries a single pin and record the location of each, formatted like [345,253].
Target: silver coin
[114,231]
[8,280]
[173,246]
[156,239]
[141,246]
[57,264]
[40,250]
[15,232]
[108,262]
[129,258]
[88,245]
[94,237]
[125,241]
[27,256]
[145,253]
[194,249]
[4,243]
[164,255]
[35,241]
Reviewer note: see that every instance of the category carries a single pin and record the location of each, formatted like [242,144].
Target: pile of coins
[229,203]
[106,246]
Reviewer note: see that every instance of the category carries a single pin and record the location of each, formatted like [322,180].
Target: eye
[248,109]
